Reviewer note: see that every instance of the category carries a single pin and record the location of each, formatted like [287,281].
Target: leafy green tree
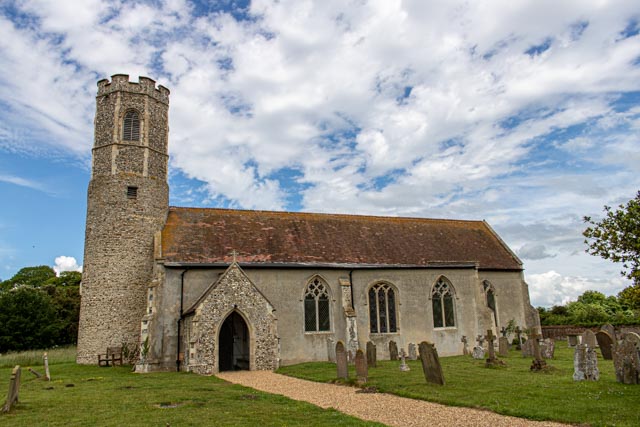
[617,237]
[30,276]
[629,298]
[28,319]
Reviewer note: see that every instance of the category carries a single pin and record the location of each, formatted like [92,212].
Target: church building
[209,290]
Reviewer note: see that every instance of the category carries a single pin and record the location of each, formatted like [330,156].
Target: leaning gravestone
[538,363]
[14,389]
[361,367]
[341,361]
[608,328]
[503,346]
[626,359]
[393,350]
[478,352]
[372,359]
[585,364]
[413,354]
[605,342]
[547,348]
[431,363]
[331,350]
[589,338]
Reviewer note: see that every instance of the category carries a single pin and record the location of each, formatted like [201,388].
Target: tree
[629,297]
[30,276]
[617,237]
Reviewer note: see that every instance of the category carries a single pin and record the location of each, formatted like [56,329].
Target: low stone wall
[561,331]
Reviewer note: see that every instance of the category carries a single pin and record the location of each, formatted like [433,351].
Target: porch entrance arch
[233,344]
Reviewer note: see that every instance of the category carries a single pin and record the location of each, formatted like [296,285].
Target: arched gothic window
[442,299]
[382,308]
[491,299]
[131,126]
[316,307]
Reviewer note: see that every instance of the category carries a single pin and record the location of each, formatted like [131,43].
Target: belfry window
[132,192]
[442,300]
[316,307]
[131,127]
[382,309]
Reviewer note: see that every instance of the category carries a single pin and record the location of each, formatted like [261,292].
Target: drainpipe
[180,319]
[353,305]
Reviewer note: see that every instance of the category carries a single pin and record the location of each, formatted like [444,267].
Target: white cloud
[66,263]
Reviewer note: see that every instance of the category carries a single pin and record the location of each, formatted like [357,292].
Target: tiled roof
[209,236]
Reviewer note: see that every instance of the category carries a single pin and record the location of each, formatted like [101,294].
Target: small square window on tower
[132,192]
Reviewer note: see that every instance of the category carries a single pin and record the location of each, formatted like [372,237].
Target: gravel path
[380,407]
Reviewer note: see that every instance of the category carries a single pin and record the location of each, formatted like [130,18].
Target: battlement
[144,85]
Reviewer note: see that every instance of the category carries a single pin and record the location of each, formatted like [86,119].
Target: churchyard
[89,395]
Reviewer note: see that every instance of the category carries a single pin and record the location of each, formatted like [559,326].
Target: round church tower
[127,205]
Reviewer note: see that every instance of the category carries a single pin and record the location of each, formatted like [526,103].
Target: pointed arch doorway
[233,344]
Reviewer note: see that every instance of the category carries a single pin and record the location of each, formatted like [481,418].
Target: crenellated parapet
[144,85]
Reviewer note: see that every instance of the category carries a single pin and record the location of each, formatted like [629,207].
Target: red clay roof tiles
[208,236]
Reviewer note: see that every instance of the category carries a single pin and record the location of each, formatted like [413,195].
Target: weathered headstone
[608,328]
[503,346]
[585,364]
[480,340]
[430,363]
[341,361]
[492,351]
[393,350]
[372,358]
[478,352]
[465,345]
[589,338]
[519,334]
[547,348]
[527,348]
[362,371]
[573,340]
[606,343]
[14,389]
[413,354]
[538,363]
[626,359]
[403,362]
[331,350]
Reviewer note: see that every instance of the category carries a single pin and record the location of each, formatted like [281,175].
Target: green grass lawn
[92,396]
[511,390]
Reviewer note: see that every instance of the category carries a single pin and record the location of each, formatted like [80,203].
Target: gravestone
[403,362]
[393,350]
[47,374]
[413,354]
[331,350]
[608,328]
[573,340]
[519,334]
[372,359]
[527,348]
[465,345]
[430,363]
[626,359]
[503,331]
[538,363]
[547,348]
[492,360]
[14,389]
[589,338]
[606,343]
[585,364]
[503,346]
[480,340]
[341,361]
[478,352]
[361,367]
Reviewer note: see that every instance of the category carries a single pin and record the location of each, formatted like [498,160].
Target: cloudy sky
[523,113]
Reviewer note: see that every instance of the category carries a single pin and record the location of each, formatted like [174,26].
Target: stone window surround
[397,306]
[454,298]
[332,301]
[120,126]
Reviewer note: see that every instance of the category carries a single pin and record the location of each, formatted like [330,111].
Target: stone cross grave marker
[403,362]
[372,358]
[585,364]
[393,350]
[362,371]
[519,334]
[341,361]
[465,345]
[626,359]
[589,338]
[430,363]
[606,343]
[547,348]
[14,389]
[503,346]
[538,363]
[608,328]
[503,331]
[331,350]
[480,340]
[413,354]
[492,351]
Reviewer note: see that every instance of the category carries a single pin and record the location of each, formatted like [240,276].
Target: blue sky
[525,114]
